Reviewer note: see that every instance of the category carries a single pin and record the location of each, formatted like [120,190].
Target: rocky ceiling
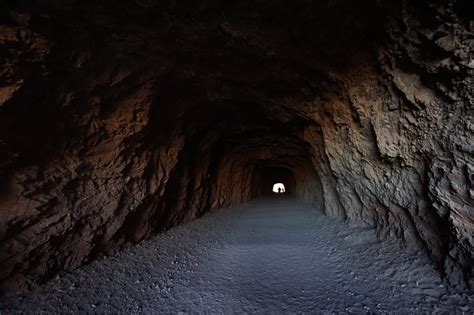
[120,119]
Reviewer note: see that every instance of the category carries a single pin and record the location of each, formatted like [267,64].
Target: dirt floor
[269,255]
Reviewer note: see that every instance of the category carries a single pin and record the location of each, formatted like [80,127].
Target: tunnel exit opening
[273,180]
[279,188]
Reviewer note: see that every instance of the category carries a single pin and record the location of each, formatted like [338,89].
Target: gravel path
[267,256]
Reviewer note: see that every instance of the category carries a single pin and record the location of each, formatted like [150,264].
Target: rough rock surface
[271,255]
[119,120]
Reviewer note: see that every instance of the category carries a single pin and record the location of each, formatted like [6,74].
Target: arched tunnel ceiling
[119,119]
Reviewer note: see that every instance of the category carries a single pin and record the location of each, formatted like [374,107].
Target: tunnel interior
[122,119]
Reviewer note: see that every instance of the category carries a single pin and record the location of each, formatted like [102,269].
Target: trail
[269,255]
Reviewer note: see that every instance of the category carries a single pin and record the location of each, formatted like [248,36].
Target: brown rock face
[120,120]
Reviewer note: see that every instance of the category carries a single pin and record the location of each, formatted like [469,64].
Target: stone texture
[120,120]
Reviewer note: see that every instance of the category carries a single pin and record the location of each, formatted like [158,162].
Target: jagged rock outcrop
[120,120]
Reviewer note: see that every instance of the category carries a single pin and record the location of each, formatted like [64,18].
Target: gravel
[267,256]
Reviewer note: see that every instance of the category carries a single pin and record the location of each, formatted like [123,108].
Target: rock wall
[397,140]
[120,120]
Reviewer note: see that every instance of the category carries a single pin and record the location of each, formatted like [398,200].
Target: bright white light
[279,188]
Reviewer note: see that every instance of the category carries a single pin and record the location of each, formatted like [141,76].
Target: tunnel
[124,121]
